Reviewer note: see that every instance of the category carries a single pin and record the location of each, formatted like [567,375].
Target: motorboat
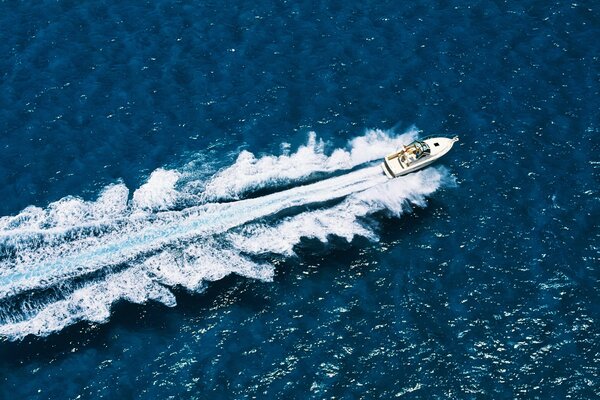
[416,155]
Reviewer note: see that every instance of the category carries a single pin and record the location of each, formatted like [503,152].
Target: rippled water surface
[192,205]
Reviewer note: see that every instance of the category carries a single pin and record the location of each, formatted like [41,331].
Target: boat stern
[386,170]
[391,165]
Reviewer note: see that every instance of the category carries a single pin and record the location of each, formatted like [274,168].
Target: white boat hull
[404,161]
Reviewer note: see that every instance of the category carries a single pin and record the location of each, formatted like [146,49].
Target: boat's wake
[71,261]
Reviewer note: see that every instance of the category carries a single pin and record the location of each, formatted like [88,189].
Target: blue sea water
[192,207]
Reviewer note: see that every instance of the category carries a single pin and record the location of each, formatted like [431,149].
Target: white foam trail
[73,260]
[250,172]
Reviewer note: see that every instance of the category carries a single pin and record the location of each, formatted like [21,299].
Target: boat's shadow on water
[254,296]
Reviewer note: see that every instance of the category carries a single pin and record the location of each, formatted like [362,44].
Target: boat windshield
[418,148]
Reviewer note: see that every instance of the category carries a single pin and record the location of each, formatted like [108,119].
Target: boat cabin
[413,152]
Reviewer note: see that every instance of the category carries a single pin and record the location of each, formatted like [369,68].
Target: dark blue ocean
[192,205]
